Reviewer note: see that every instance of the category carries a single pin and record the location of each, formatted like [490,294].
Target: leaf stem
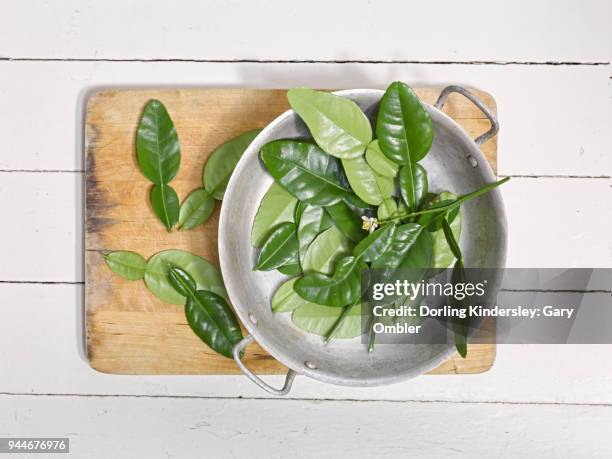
[448,207]
[330,334]
[372,336]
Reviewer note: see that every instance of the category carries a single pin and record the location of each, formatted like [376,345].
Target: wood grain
[129,331]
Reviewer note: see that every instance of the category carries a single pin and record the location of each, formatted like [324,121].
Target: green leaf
[157,144]
[442,256]
[461,327]
[336,123]
[210,317]
[299,209]
[279,249]
[358,206]
[450,239]
[404,129]
[342,288]
[411,248]
[375,244]
[370,186]
[320,320]
[165,203]
[346,220]
[292,269]
[182,281]
[221,163]
[277,206]
[196,209]
[325,250]
[379,162]
[413,185]
[313,221]
[407,259]
[286,299]
[306,171]
[387,209]
[206,275]
[129,265]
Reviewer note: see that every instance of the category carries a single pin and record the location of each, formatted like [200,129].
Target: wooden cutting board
[129,331]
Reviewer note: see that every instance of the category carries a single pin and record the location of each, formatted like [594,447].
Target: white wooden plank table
[546,63]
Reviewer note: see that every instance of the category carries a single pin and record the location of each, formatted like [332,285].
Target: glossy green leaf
[286,299]
[404,129]
[165,203]
[413,185]
[442,254]
[461,326]
[370,186]
[407,259]
[129,265]
[346,220]
[196,209]
[336,123]
[378,161]
[400,248]
[277,206]
[375,244]
[182,281]
[358,206]
[157,144]
[320,320]
[313,221]
[327,248]
[387,209]
[342,288]
[451,240]
[279,249]
[206,275]
[292,269]
[297,213]
[210,317]
[221,163]
[306,171]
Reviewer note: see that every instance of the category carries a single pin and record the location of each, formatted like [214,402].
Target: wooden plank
[169,427]
[129,330]
[50,208]
[51,361]
[345,30]
[537,136]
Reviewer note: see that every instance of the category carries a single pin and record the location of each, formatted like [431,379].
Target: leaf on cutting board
[129,265]
[165,203]
[207,276]
[221,163]
[157,144]
[196,209]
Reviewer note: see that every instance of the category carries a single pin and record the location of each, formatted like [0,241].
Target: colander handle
[476,101]
[238,348]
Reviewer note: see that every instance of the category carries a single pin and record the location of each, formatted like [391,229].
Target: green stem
[330,335]
[448,207]
[372,336]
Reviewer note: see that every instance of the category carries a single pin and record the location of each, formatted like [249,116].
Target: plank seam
[307,61]
[534,176]
[298,399]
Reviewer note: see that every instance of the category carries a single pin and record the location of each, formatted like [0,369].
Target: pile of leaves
[354,198]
